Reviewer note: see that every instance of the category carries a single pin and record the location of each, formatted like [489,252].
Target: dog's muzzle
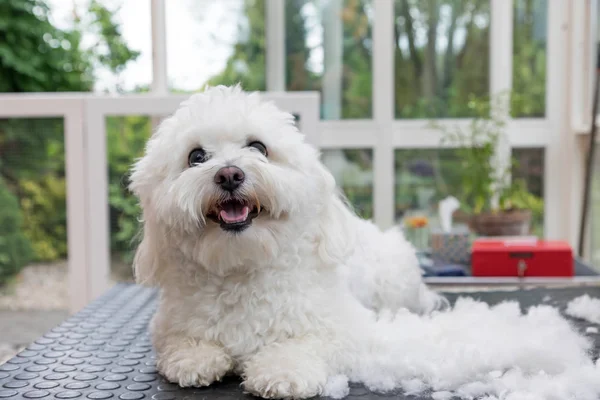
[235,213]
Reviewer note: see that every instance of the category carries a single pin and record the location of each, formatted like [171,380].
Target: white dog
[264,271]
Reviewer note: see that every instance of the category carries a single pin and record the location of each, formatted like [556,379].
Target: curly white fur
[287,302]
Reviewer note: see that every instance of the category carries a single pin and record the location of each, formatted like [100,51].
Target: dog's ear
[147,261]
[336,233]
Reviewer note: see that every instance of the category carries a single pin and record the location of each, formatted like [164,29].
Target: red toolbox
[521,258]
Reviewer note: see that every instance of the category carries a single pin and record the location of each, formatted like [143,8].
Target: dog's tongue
[233,212]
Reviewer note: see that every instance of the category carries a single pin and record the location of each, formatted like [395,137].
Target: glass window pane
[530,167]
[33,221]
[423,178]
[442,57]
[529,58]
[115,70]
[328,48]
[215,42]
[426,176]
[353,172]
[126,137]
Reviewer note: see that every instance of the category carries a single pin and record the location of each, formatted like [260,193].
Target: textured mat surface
[104,352]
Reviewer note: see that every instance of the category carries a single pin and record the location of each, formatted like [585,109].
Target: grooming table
[104,352]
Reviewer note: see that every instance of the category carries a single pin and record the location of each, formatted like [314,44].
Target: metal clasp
[521,268]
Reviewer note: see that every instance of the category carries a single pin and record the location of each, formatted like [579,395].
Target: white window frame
[86,166]
[384,134]
[70,109]
[560,132]
[568,79]
[570,51]
[583,71]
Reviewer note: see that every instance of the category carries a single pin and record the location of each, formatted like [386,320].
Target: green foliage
[111,51]
[529,59]
[125,211]
[15,250]
[357,189]
[30,147]
[36,56]
[431,83]
[424,177]
[361,199]
[43,204]
[476,148]
[247,63]
[357,81]
[519,197]
[126,138]
[32,154]
[297,75]
[356,77]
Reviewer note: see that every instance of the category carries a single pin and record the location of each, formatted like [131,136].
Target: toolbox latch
[521,268]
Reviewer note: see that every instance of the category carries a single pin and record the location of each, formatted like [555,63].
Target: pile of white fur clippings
[477,351]
[586,308]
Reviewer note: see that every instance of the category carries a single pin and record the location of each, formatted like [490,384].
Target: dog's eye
[259,146]
[197,156]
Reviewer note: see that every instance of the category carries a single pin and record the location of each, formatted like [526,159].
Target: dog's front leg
[191,362]
[294,369]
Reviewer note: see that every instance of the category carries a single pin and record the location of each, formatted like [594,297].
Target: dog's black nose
[229,178]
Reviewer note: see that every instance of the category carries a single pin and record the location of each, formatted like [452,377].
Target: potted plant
[492,203]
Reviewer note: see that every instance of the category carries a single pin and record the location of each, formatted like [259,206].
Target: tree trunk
[469,29]
[430,71]
[449,56]
[410,34]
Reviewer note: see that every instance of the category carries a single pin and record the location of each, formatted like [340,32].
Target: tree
[246,65]
[126,138]
[110,51]
[529,59]
[357,60]
[15,250]
[441,83]
[297,74]
[442,65]
[35,56]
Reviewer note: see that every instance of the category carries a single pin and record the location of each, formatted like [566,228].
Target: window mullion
[159,48]
[383,112]
[275,45]
[501,56]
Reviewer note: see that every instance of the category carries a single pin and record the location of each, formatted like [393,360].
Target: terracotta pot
[504,223]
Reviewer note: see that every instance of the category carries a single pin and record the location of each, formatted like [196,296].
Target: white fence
[571,32]
[87,167]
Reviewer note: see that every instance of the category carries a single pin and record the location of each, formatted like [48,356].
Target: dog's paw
[285,384]
[197,366]
[285,378]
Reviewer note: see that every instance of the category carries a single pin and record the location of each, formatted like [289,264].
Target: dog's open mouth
[234,214]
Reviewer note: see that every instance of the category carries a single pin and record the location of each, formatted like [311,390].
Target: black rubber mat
[104,352]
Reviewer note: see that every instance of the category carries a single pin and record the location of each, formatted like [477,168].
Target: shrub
[126,138]
[15,249]
[43,204]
